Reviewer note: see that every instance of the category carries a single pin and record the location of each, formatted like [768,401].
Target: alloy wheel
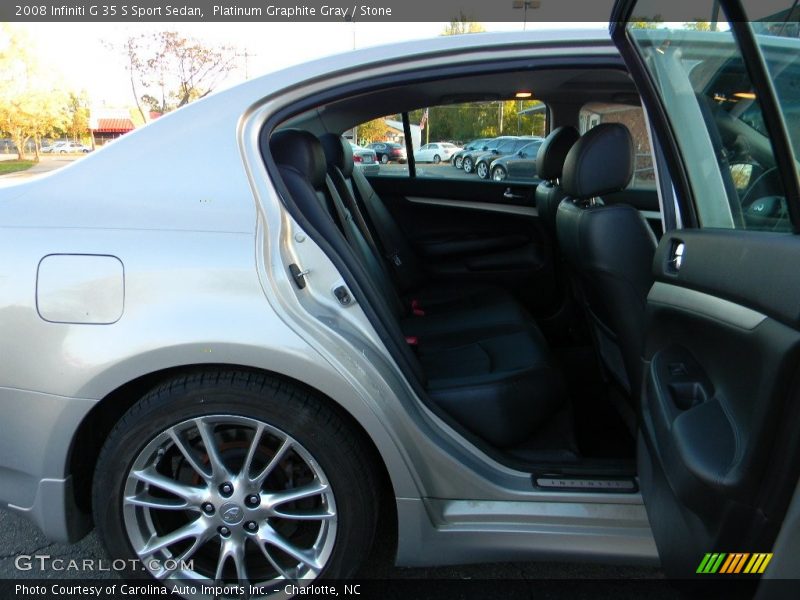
[230,498]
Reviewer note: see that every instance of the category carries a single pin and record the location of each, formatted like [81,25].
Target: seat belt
[358,243]
[352,206]
[391,247]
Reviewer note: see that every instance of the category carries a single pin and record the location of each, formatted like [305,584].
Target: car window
[632,116]
[444,133]
[713,107]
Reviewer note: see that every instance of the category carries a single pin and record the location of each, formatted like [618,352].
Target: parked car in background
[471,158]
[389,152]
[47,147]
[71,148]
[436,152]
[365,159]
[520,165]
[458,157]
[509,145]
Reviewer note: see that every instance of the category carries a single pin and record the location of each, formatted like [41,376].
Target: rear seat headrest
[338,152]
[601,162]
[553,151]
[302,151]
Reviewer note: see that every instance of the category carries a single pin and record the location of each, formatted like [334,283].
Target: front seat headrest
[600,162]
[338,152]
[301,151]
[553,152]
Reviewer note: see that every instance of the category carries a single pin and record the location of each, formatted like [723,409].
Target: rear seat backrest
[303,168]
[549,164]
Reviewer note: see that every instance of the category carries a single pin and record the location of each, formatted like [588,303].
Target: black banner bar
[108,11]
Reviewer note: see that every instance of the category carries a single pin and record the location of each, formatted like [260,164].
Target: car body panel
[205,242]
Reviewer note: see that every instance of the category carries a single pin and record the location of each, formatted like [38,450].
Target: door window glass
[715,112]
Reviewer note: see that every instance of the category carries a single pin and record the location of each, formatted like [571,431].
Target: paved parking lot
[45,165]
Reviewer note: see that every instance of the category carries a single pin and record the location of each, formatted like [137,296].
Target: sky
[76,55]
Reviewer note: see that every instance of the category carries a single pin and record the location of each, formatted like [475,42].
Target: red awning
[114,126]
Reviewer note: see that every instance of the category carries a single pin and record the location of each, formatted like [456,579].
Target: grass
[12,166]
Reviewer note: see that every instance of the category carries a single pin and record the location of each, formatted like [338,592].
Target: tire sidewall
[354,504]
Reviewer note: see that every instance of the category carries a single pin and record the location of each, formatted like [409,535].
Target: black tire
[458,162]
[467,165]
[499,173]
[348,464]
[437,159]
[482,170]
[385,159]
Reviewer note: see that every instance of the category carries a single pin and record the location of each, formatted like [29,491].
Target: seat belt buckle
[416,309]
[395,258]
[412,340]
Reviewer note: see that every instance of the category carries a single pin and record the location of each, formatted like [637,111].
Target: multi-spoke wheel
[499,173]
[227,481]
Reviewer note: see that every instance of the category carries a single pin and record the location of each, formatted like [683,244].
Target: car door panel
[720,379]
[473,230]
[721,349]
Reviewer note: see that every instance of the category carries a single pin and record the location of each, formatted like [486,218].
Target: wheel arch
[100,420]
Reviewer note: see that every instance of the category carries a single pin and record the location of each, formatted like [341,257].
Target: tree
[461,25]
[372,131]
[77,118]
[29,108]
[697,25]
[168,71]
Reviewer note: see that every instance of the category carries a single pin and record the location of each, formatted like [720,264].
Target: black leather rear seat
[482,358]
[446,305]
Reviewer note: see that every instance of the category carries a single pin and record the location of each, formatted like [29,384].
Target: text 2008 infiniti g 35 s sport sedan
[236,355]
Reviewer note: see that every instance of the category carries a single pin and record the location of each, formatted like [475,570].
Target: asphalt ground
[503,581]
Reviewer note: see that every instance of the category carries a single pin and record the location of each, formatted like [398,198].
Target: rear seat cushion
[453,307]
[499,383]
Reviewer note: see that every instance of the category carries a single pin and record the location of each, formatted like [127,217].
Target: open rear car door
[719,443]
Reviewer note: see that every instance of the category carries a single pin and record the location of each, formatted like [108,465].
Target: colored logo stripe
[733,563]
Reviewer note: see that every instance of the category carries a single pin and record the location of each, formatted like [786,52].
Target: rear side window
[442,136]
[632,116]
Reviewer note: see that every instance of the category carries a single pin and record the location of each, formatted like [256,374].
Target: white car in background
[436,153]
[365,159]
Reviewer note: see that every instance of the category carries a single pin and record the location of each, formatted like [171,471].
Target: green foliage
[471,120]
[698,25]
[372,131]
[77,121]
[12,166]
[29,107]
[461,25]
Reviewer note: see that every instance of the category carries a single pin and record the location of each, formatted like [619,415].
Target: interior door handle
[511,195]
[676,258]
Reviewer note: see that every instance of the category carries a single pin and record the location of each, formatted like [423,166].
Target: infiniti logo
[232,514]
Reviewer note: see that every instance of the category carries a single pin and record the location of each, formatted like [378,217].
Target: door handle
[511,195]
[676,257]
